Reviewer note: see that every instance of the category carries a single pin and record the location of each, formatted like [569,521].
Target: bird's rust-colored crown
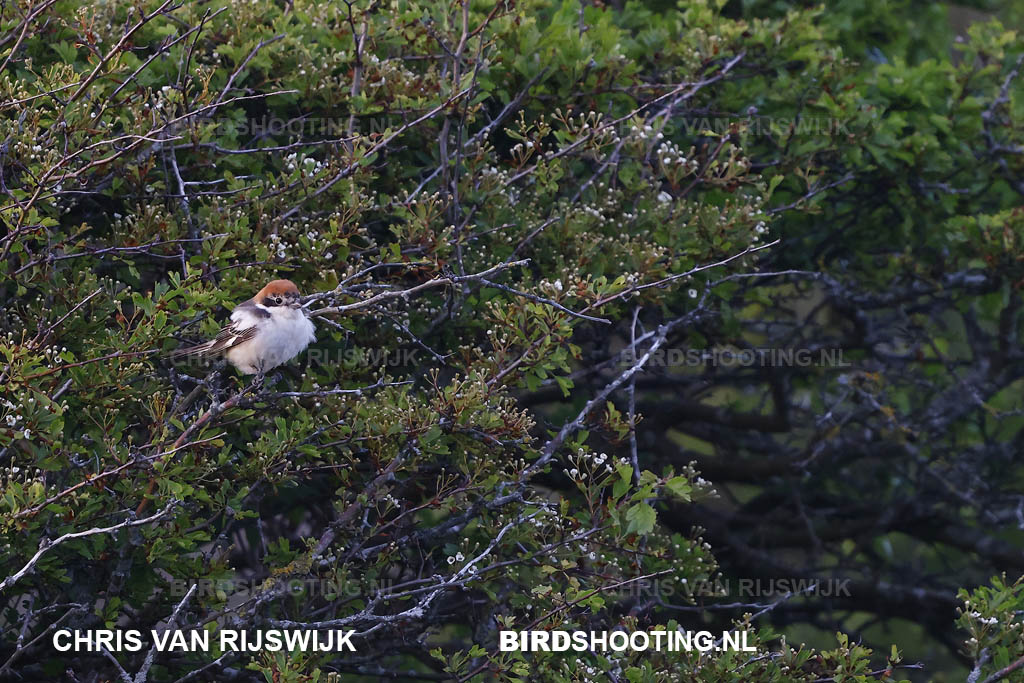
[277,287]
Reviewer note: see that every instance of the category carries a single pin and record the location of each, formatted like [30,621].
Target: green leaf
[641,518]
[625,478]
[679,487]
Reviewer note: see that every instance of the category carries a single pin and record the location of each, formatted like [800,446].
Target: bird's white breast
[281,337]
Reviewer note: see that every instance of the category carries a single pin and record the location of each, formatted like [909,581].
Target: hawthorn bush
[528,235]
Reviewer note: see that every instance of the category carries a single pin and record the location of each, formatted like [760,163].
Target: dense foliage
[618,306]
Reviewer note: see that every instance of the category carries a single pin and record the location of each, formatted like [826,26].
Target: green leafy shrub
[505,217]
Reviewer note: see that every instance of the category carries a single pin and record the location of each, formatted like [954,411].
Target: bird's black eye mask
[280,300]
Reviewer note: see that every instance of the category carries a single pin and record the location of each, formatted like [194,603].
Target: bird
[265,331]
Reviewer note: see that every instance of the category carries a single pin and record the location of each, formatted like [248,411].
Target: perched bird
[267,330]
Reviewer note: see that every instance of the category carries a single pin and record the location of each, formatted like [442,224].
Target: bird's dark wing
[231,335]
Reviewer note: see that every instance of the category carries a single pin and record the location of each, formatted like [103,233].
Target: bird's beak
[295,304]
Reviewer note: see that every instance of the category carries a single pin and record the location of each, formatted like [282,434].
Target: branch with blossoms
[369,299]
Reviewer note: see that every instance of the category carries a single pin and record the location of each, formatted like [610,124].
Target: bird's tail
[197,350]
